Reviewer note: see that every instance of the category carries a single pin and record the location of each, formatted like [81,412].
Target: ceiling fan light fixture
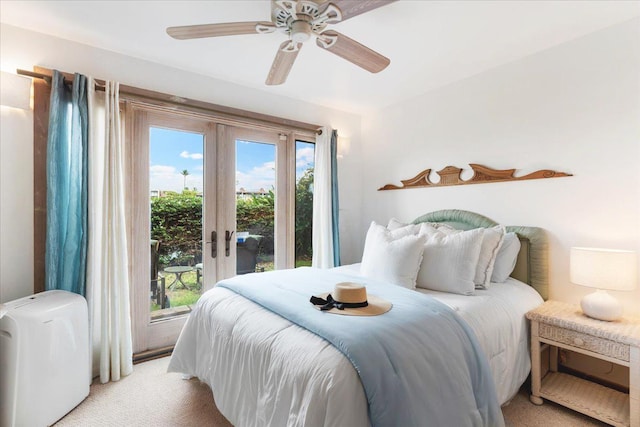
[300,31]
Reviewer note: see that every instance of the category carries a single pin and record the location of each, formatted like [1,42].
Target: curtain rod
[34,75]
[48,78]
[100,85]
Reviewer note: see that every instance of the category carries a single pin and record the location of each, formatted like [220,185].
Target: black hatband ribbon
[329,303]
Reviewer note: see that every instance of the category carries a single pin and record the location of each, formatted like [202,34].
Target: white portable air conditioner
[44,358]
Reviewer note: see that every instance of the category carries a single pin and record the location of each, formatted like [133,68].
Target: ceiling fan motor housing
[300,19]
[300,31]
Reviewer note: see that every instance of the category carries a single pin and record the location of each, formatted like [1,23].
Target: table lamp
[603,269]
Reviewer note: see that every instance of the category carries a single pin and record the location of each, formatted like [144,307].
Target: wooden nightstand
[562,325]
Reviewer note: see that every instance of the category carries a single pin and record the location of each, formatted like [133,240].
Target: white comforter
[264,370]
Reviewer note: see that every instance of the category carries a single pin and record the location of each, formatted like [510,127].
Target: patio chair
[247,255]
[246,258]
[199,266]
[157,281]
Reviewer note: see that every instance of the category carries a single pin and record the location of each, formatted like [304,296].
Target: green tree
[304,215]
[256,215]
[185,174]
[176,221]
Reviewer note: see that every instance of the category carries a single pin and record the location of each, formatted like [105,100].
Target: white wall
[25,49]
[16,202]
[573,108]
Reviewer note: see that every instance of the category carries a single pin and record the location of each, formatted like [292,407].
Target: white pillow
[491,243]
[449,262]
[394,225]
[445,227]
[393,256]
[492,239]
[506,259]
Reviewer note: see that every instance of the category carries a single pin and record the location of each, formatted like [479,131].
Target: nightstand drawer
[587,342]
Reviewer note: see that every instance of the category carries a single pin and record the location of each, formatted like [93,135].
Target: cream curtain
[322,237]
[107,259]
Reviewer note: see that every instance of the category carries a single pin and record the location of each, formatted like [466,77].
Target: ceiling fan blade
[218,30]
[351,8]
[352,51]
[287,54]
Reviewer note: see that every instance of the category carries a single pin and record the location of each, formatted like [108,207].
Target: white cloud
[162,170]
[267,169]
[194,156]
[304,157]
[168,178]
[263,176]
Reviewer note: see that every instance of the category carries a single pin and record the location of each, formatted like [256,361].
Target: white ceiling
[430,43]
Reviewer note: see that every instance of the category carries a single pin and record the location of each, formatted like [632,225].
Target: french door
[193,180]
[170,213]
[261,174]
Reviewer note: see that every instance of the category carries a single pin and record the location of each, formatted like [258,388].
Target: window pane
[255,206]
[305,152]
[176,183]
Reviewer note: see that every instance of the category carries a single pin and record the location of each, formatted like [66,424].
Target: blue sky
[173,151]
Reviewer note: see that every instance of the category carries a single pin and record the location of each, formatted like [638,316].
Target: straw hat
[350,299]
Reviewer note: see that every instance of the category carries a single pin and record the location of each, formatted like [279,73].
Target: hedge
[176,221]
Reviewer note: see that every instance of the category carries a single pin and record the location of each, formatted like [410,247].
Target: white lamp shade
[604,268]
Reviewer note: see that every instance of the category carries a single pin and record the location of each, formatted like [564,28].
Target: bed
[267,370]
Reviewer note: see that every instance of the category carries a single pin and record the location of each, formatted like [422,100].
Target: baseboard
[145,356]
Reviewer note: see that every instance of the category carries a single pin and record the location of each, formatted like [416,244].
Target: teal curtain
[335,218]
[66,250]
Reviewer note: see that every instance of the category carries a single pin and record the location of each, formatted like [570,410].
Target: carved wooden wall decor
[450,175]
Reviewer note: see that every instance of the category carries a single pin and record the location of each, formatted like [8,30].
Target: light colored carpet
[148,397]
[520,412]
[152,397]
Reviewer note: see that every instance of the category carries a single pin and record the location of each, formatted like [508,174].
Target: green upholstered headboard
[532,266]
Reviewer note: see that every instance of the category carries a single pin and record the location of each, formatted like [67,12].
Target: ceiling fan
[300,19]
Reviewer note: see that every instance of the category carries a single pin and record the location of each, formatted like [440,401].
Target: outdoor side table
[178,270]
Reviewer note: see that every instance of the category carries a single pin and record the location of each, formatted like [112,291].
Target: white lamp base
[601,305]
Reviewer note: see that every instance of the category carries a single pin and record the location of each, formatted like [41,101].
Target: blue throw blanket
[419,363]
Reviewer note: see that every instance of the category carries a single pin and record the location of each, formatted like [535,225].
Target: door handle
[214,244]
[227,237]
